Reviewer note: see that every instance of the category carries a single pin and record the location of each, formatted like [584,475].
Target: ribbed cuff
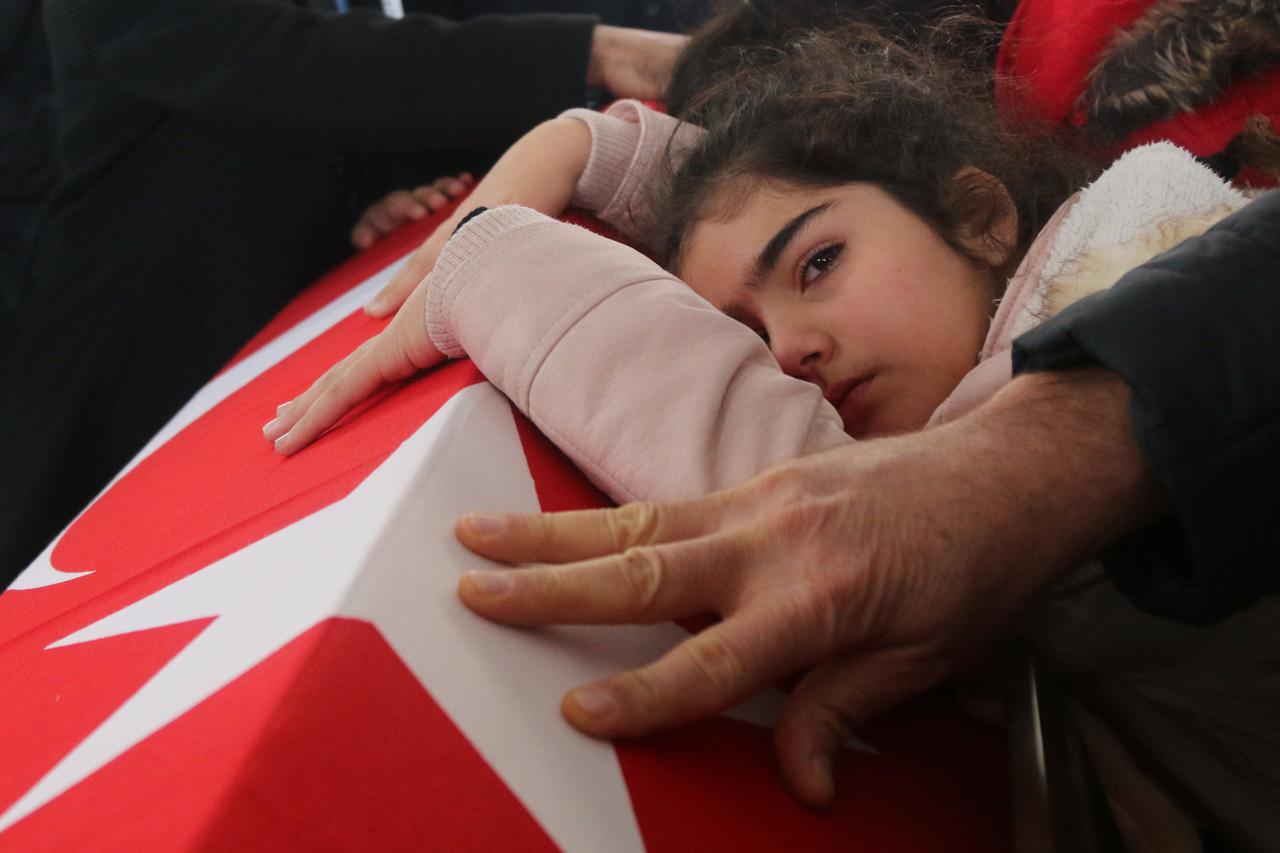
[448,277]
[613,147]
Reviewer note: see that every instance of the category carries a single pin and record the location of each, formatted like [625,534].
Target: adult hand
[633,63]
[396,353]
[401,206]
[883,566]
[541,171]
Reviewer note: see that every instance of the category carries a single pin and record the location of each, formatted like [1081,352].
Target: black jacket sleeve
[281,73]
[1196,333]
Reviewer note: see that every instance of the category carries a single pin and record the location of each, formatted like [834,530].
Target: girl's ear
[985,215]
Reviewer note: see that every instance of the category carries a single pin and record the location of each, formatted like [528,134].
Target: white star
[386,554]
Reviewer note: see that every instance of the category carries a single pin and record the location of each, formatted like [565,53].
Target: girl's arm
[633,152]
[648,388]
[653,392]
[613,164]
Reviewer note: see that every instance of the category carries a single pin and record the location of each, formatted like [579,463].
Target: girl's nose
[799,354]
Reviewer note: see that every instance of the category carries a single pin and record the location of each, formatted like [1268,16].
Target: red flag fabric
[233,650]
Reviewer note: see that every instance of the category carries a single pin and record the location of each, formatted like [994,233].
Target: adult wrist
[1075,477]
[603,44]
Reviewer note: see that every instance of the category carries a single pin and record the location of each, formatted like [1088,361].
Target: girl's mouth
[850,399]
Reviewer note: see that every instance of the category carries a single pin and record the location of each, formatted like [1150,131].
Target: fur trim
[1179,55]
[1146,202]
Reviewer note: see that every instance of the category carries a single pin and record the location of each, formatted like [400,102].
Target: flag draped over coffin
[233,650]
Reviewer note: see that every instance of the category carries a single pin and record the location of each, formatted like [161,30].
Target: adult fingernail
[490,583]
[824,775]
[270,428]
[280,408]
[487,524]
[595,700]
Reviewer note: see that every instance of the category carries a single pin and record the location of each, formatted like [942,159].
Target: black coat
[27,134]
[214,154]
[1196,332]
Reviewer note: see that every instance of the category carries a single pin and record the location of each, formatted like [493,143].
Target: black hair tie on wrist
[470,216]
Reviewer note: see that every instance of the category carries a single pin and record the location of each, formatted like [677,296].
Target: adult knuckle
[717,663]
[810,519]
[644,693]
[812,611]
[829,721]
[780,486]
[551,585]
[544,528]
[634,523]
[645,574]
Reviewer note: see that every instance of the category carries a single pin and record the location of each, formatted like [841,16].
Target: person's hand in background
[401,206]
[633,63]
[540,171]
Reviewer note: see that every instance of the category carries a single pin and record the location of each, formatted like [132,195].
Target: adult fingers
[451,187]
[392,212]
[363,235]
[832,702]
[705,674]
[579,535]
[399,206]
[431,197]
[641,585]
[386,215]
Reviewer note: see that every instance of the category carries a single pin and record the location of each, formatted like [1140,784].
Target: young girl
[844,234]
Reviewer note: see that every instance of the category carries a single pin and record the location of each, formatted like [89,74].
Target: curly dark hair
[849,104]
[726,41]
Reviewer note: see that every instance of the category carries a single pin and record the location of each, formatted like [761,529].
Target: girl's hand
[540,171]
[396,353]
[401,206]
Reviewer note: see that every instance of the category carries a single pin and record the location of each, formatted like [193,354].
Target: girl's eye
[819,263]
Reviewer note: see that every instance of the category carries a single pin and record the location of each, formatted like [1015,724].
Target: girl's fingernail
[486,524]
[595,700]
[490,583]
[269,429]
[280,408]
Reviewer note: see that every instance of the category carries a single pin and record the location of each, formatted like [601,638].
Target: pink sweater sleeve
[650,390]
[633,150]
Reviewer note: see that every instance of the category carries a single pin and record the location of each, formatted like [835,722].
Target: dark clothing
[214,156]
[1196,333]
[27,134]
[667,15]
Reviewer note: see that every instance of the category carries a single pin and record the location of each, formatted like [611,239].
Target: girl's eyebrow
[769,255]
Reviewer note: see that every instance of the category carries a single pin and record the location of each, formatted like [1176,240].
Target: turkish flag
[233,650]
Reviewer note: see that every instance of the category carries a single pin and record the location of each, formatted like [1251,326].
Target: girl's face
[851,291]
